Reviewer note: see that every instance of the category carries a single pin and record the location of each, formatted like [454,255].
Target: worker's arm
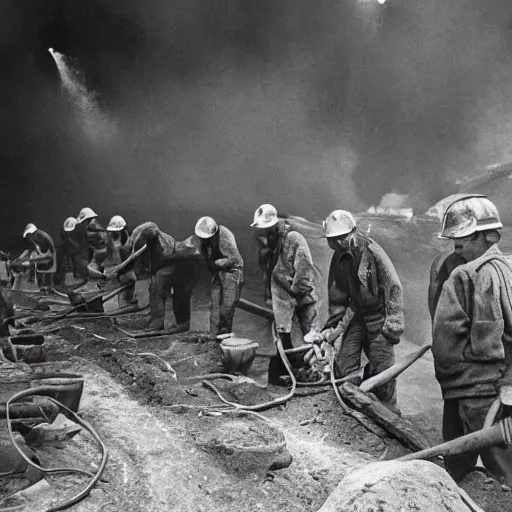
[393,295]
[304,275]
[227,243]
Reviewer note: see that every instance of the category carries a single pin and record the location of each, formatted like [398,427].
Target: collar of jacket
[361,255]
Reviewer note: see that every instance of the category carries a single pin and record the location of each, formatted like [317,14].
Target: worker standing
[174,267]
[472,331]
[363,278]
[68,250]
[291,278]
[218,246]
[119,252]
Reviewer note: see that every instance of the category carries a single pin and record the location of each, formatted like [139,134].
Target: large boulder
[393,486]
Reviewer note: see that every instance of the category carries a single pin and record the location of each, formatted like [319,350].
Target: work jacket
[292,276]
[221,252]
[442,266]
[472,331]
[366,280]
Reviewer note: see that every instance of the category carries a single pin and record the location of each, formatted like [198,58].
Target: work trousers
[179,279]
[462,416]
[305,313]
[365,334]
[226,288]
[127,296]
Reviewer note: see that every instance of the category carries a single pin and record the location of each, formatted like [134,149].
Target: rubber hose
[266,405]
[104,457]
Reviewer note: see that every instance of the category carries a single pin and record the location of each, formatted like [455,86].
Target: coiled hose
[104,452]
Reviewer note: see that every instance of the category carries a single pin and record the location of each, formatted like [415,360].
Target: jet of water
[94,122]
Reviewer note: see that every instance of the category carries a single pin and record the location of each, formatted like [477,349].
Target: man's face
[340,243]
[470,247]
[268,236]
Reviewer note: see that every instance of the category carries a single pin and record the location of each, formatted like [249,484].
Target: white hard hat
[69,224]
[117,223]
[265,217]
[29,229]
[206,227]
[339,222]
[468,215]
[85,213]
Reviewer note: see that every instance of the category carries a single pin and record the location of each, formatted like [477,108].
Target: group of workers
[470,297]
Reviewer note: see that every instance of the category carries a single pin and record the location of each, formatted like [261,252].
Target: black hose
[85,492]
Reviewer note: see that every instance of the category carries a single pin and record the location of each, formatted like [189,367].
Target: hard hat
[468,215]
[206,227]
[117,223]
[265,217]
[85,213]
[29,229]
[339,222]
[69,224]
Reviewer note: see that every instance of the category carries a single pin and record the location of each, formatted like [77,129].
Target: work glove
[313,336]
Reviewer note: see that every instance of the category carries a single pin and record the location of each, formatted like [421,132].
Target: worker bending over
[174,267]
[218,246]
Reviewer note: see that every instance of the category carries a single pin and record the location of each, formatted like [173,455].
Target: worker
[442,266]
[93,236]
[119,237]
[169,273]
[218,245]
[291,279]
[67,252]
[472,331]
[363,278]
[42,255]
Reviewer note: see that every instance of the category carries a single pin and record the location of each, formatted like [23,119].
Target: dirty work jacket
[440,270]
[472,332]
[366,280]
[223,250]
[293,277]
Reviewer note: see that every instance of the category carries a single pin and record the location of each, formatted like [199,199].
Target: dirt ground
[154,460]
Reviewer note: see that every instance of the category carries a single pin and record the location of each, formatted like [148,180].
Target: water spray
[94,122]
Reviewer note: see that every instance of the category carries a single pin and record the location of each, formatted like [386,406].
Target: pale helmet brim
[29,231]
[204,235]
[111,228]
[68,230]
[262,224]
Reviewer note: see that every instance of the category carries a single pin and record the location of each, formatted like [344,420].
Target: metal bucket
[238,354]
[67,388]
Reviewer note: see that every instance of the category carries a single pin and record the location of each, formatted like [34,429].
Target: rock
[247,448]
[393,486]
[505,488]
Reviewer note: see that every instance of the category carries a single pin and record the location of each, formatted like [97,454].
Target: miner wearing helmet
[363,278]
[118,236]
[472,331]
[93,238]
[218,245]
[41,256]
[68,251]
[291,278]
